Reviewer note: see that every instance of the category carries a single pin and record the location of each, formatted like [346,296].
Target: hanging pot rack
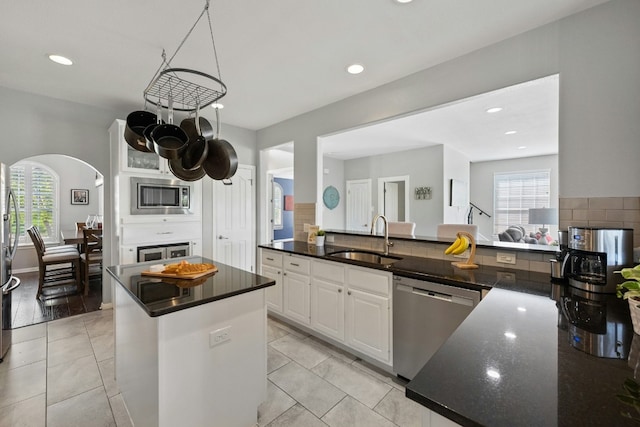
[189,89]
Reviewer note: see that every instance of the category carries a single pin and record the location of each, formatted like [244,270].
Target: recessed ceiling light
[511,132]
[510,335]
[403,1]
[522,309]
[355,69]
[494,109]
[217,105]
[60,60]
[522,147]
[492,373]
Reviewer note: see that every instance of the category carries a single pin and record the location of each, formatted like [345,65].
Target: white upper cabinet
[131,160]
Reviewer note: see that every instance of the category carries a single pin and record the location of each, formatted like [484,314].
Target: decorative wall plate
[331,197]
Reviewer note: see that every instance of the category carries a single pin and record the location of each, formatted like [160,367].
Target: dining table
[73,236]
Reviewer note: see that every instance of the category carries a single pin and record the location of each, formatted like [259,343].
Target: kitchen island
[532,353]
[190,352]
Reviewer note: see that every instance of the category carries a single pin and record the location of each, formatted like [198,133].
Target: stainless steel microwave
[150,196]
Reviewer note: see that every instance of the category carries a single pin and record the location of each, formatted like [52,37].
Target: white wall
[595,52]
[455,166]
[482,186]
[425,168]
[334,219]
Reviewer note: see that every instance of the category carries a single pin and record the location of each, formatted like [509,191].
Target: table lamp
[544,216]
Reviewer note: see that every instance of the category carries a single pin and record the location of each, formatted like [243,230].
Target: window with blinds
[36,189]
[515,193]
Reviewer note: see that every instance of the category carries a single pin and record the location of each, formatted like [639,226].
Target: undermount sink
[366,257]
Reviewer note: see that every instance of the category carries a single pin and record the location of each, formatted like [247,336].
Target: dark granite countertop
[159,296]
[527,354]
[511,246]
[442,271]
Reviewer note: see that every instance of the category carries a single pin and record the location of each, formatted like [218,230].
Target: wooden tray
[181,276]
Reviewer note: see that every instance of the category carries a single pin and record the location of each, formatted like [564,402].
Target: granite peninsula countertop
[160,296]
[522,357]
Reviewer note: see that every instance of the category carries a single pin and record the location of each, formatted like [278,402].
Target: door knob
[221,237]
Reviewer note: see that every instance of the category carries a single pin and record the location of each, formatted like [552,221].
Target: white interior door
[234,207]
[391,201]
[359,205]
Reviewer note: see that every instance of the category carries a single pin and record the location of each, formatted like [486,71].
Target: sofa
[517,234]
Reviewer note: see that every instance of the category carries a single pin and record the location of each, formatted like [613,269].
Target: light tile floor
[61,373]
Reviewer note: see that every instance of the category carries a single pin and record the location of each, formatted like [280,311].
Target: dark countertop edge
[162,312]
[413,274]
[511,246]
[441,409]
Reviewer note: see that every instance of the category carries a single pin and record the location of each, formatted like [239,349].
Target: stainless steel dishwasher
[425,314]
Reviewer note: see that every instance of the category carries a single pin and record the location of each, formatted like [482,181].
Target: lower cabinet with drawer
[296,289]
[271,267]
[368,312]
[327,298]
[348,304]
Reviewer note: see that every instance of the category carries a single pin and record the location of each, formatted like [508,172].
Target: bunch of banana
[459,246]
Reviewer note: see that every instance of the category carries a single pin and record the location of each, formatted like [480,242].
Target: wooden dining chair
[91,257]
[80,226]
[56,267]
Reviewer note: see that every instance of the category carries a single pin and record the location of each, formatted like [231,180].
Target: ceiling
[278,59]
[530,109]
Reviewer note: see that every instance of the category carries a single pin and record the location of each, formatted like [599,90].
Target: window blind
[36,190]
[517,192]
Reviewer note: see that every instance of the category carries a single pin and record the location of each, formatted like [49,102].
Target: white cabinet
[349,304]
[327,298]
[368,323]
[296,289]
[271,267]
[368,312]
[131,160]
[296,297]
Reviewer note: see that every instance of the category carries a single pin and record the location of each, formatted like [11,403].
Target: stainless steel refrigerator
[9,239]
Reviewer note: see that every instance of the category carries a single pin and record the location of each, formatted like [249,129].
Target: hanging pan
[197,149]
[169,140]
[175,166]
[134,130]
[147,131]
[222,160]
[189,126]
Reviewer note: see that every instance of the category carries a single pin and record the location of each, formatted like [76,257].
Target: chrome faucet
[387,243]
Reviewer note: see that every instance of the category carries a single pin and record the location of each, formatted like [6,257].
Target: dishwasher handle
[454,299]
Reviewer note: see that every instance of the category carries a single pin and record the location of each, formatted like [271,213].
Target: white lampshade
[543,216]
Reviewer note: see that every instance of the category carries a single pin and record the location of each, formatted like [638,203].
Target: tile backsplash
[611,212]
[304,213]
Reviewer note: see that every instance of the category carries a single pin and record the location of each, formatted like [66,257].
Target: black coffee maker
[557,263]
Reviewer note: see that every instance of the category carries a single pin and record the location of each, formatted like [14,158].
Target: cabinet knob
[278,272]
[339,291]
[348,292]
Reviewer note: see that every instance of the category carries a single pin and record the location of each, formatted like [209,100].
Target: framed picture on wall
[79,197]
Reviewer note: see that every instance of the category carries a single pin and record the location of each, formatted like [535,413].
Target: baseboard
[106,306]
[25,270]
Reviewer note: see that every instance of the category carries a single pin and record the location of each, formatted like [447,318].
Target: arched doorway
[54,192]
